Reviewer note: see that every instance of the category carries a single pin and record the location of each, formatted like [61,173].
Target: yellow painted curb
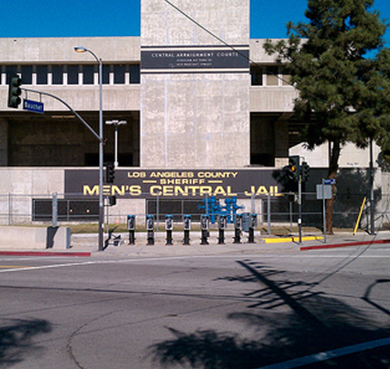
[292,239]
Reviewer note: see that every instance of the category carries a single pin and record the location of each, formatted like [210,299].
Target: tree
[342,90]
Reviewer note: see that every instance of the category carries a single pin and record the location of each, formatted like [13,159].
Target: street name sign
[329,181]
[33,106]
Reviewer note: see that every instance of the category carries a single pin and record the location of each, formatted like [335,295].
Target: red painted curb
[43,253]
[331,246]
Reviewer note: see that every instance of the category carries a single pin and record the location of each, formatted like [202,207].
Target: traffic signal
[293,165]
[305,171]
[112,200]
[14,91]
[110,172]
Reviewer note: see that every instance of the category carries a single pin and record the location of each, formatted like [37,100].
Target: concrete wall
[81,97]
[52,50]
[34,237]
[18,186]
[350,157]
[27,51]
[195,120]
[29,181]
[267,99]
[22,51]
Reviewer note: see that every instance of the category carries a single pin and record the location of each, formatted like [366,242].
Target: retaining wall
[34,237]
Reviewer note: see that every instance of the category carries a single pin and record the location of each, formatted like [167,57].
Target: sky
[88,18]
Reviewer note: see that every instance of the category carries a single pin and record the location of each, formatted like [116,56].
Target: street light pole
[81,49]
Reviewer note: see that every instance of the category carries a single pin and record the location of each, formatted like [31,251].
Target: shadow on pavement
[16,340]
[290,321]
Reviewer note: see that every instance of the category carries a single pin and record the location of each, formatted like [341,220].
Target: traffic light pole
[69,107]
[101,143]
[300,208]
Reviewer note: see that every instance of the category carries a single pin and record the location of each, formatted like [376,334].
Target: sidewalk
[263,244]
[85,245]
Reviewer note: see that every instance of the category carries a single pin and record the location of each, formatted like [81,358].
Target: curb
[292,239]
[44,253]
[346,244]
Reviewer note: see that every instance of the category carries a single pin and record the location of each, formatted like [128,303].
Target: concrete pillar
[194,88]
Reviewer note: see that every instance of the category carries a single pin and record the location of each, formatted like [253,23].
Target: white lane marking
[323,356]
[51,266]
[146,259]
[44,267]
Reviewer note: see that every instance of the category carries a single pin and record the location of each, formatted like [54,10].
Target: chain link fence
[17,209]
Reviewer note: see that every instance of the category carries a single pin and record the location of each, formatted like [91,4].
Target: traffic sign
[329,181]
[324,191]
[34,106]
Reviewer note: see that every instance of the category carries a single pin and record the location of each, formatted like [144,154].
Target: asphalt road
[291,309]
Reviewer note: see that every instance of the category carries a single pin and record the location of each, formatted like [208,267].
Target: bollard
[187,228]
[221,226]
[169,228]
[150,229]
[237,228]
[204,225]
[131,228]
[252,226]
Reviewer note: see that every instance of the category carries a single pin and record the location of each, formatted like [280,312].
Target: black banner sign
[174,183]
[192,59]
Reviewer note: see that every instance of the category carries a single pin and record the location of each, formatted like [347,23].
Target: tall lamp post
[116,124]
[82,49]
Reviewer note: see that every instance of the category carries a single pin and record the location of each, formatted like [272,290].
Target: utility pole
[372,205]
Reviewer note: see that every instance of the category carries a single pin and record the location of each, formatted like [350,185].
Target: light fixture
[80,49]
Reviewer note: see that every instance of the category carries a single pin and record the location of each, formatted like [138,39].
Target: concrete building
[201,100]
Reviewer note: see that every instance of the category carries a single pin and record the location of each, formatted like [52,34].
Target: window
[88,74]
[27,71]
[272,76]
[257,75]
[286,78]
[106,74]
[119,74]
[57,74]
[67,210]
[73,74]
[10,70]
[42,74]
[134,73]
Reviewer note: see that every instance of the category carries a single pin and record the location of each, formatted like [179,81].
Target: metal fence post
[158,212]
[54,211]
[9,208]
[269,212]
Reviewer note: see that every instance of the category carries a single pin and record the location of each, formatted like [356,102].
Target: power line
[244,55]
[222,41]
